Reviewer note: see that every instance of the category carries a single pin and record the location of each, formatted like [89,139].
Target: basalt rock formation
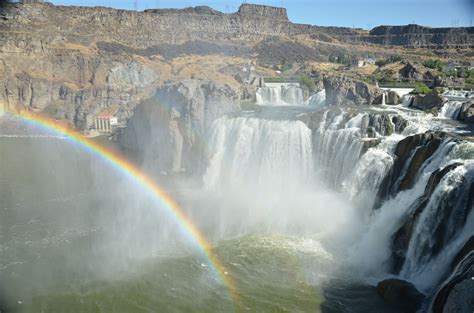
[410,153]
[66,60]
[417,36]
[428,102]
[342,90]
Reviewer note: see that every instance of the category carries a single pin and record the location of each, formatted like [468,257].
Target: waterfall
[451,109]
[337,146]
[413,230]
[248,152]
[407,100]
[287,94]
[442,222]
[318,100]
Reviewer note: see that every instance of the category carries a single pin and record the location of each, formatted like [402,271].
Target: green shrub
[307,81]
[422,89]
[438,90]
[434,64]
[381,62]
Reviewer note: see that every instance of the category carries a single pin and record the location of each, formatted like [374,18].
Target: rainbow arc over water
[131,171]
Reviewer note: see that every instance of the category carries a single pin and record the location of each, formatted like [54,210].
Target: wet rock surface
[400,294]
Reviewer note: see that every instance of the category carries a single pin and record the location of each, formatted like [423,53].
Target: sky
[350,13]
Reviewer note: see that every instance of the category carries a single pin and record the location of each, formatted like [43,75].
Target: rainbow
[147,184]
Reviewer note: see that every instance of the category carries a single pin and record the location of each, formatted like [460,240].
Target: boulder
[411,72]
[400,294]
[345,91]
[392,98]
[467,112]
[428,102]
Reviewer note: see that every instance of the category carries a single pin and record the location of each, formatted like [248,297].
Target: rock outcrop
[416,36]
[345,91]
[410,153]
[263,11]
[430,102]
[411,72]
[400,294]
[467,112]
[391,98]
[167,131]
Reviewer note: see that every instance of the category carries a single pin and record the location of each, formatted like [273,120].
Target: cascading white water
[274,161]
[280,94]
[362,184]
[458,94]
[451,109]
[440,225]
[258,152]
[318,100]
[263,172]
[337,146]
[407,100]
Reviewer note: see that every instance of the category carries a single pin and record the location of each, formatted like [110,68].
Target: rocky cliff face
[73,62]
[167,131]
[416,36]
[342,90]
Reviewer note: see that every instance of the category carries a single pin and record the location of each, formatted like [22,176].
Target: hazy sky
[358,13]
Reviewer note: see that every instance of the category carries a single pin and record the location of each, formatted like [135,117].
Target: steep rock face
[417,36]
[263,10]
[410,154]
[104,85]
[167,131]
[342,90]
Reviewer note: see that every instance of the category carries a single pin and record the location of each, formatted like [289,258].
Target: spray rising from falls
[408,181]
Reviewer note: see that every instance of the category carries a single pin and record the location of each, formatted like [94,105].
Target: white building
[105,123]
